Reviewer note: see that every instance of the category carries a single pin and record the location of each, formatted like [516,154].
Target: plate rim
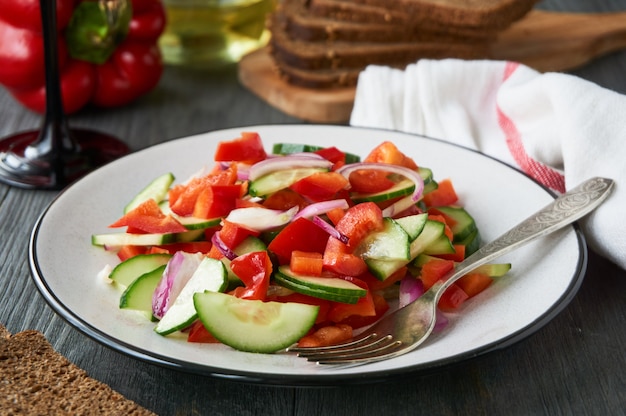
[294,380]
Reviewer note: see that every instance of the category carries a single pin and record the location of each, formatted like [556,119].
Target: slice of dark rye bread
[495,14]
[302,24]
[37,380]
[354,55]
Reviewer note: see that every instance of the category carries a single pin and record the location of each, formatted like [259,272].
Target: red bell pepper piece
[149,218]
[327,335]
[109,71]
[474,283]
[248,149]
[300,234]
[320,186]
[445,194]
[357,222]
[387,152]
[254,270]
[198,333]
[370,181]
[306,263]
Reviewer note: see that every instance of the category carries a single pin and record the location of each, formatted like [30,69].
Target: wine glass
[55,155]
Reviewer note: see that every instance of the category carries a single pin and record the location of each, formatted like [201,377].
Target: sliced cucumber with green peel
[325,287]
[253,325]
[441,245]
[390,243]
[382,269]
[471,243]
[413,224]
[157,190]
[403,188]
[123,239]
[209,276]
[430,233]
[138,295]
[429,182]
[281,179]
[190,223]
[463,226]
[290,148]
[130,269]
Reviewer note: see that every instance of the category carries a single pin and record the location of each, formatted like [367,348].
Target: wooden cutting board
[546,41]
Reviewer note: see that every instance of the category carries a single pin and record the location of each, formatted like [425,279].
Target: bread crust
[36,379]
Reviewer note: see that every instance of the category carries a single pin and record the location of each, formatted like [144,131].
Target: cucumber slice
[325,287]
[129,270]
[403,188]
[429,182]
[390,243]
[280,179]
[441,245]
[306,289]
[157,190]
[493,269]
[123,239]
[382,269]
[138,295]
[464,224]
[190,223]
[253,325]
[471,243]
[413,224]
[290,148]
[430,233]
[209,276]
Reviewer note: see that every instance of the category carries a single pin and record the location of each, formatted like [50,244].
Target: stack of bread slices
[327,43]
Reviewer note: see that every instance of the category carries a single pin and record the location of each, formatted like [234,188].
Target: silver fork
[406,328]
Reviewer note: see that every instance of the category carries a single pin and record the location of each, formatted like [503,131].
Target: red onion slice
[410,174]
[320,208]
[266,166]
[411,288]
[261,219]
[332,231]
[177,273]
[222,247]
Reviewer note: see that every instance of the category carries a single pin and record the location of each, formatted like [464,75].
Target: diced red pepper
[198,333]
[183,197]
[320,186]
[306,263]
[247,149]
[301,234]
[327,335]
[149,218]
[474,283]
[216,201]
[285,199]
[387,152]
[458,256]
[332,154]
[358,321]
[370,181]
[442,196]
[433,270]
[254,270]
[376,284]
[452,298]
[364,307]
[357,222]
[126,252]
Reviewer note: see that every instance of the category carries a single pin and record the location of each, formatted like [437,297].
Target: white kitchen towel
[557,128]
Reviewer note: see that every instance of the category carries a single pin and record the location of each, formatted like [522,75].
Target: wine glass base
[19,170]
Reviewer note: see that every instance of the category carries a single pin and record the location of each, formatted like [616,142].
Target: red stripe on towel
[540,172]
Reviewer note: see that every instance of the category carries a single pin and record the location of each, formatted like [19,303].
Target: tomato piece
[387,152]
[370,181]
[216,201]
[474,283]
[320,186]
[324,305]
[198,333]
[327,335]
[334,215]
[149,218]
[433,270]
[126,252]
[307,263]
[445,194]
[285,199]
[254,270]
[248,149]
[452,298]
[301,234]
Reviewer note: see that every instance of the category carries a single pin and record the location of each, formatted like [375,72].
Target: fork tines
[364,349]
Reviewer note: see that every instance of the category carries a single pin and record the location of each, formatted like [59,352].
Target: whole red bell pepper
[108,52]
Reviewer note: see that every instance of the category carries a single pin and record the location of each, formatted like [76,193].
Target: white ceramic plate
[545,275]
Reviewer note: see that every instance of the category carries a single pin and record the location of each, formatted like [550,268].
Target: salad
[305,245]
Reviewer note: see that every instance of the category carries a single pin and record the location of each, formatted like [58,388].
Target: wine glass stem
[55,137]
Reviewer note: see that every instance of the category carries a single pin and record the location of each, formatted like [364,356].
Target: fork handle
[564,210]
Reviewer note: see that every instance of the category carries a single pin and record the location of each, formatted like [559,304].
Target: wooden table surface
[576,364]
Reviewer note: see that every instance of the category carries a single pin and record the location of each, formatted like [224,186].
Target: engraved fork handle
[564,210]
